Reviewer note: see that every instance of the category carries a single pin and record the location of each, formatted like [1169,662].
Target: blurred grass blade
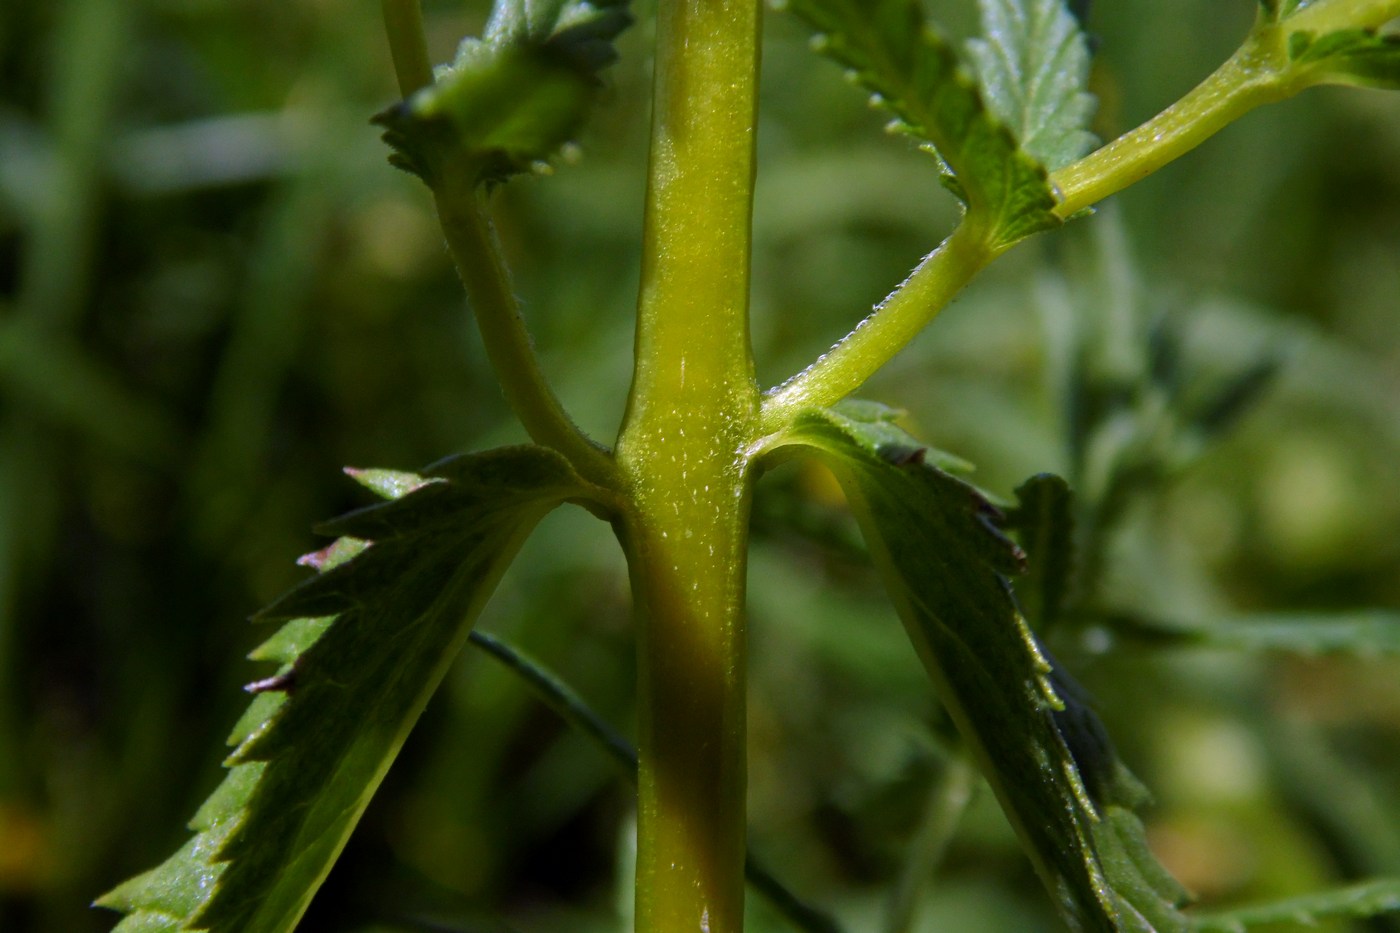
[1356,902]
[369,639]
[89,46]
[948,797]
[63,383]
[934,540]
[1367,632]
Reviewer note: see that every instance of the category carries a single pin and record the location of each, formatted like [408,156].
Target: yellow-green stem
[888,329]
[1244,82]
[691,417]
[1260,72]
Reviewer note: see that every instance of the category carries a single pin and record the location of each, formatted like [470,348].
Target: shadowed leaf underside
[935,541]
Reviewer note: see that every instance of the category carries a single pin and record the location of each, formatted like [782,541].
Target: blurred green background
[214,293]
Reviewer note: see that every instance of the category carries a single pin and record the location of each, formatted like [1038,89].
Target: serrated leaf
[321,733]
[1354,902]
[1364,633]
[1033,64]
[1357,57]
[511,98]
[1043,750]
[1043,520]
[914,73]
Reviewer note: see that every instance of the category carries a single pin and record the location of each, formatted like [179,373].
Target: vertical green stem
[948,798]
[691,417]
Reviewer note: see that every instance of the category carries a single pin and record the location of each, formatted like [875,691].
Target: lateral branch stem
[476,251]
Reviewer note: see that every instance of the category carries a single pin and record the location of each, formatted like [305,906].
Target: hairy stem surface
[887,331]
[691,416]
[1234,89]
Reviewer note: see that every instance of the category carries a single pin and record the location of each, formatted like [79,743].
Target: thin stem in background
[465,222]
[403,24]
[570,707]
[561,698]
[482,269]
[948,797]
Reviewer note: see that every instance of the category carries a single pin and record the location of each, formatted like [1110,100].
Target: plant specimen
[366,641]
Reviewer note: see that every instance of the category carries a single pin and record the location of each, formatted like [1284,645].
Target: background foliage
[214,294]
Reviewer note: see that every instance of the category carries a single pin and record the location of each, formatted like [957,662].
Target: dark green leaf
[915,75]
[1354,902]
[1044,522]
[935,542]
[369,639]
[1033,63]
[511,98]
[1360,57]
